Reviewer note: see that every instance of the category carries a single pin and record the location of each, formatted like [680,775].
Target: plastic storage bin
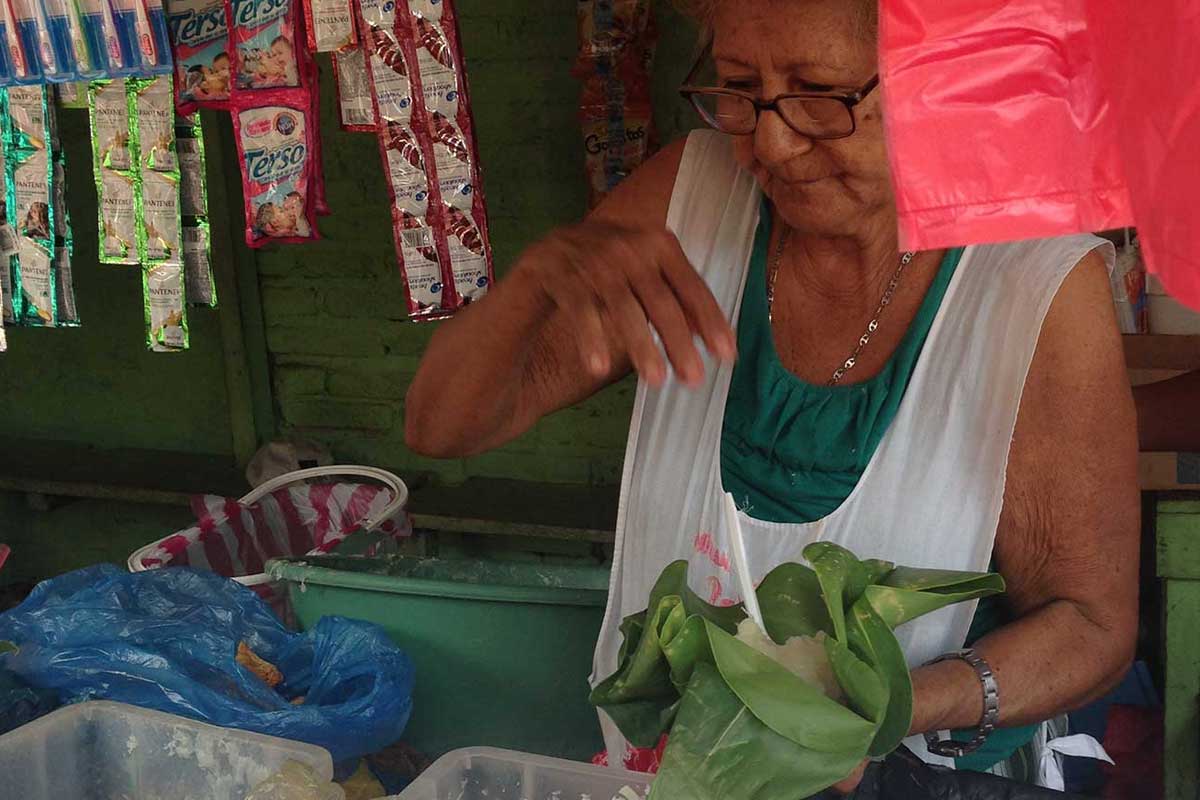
[502,650]
[111,751]
[486,774]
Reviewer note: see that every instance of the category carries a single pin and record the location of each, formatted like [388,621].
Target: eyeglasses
[815,115]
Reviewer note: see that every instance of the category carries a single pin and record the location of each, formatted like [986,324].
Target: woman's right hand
[616,284]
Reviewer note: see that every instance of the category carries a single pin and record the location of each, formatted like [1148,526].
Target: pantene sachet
[165,308]
[152,140]
[29,199]
[114,170]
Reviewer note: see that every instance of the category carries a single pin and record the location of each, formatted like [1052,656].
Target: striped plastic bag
[236,540]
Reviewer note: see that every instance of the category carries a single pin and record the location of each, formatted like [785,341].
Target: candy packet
[28,179]
[329,25]
[64,242]
[200,35]
[113,166]
[152,137]
[355,110]
[405,160]
[263,44]
[197,251]
[163,300]
[432,32]
[276,156]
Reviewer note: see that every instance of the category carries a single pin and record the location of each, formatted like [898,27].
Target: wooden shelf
[1151,352]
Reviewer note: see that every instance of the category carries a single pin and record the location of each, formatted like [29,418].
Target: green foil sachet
[165,309]
[160,224]
[115,173]
[29,197]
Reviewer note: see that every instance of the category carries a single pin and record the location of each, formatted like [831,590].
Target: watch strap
[950,748]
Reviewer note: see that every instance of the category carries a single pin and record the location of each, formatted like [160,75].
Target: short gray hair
[702,11]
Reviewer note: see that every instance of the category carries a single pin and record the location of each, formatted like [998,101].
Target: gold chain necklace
[872,326]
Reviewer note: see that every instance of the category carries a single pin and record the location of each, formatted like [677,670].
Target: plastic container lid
[507,775]
[111,750]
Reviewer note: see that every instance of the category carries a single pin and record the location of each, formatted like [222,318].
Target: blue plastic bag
[20,703]
[167,639]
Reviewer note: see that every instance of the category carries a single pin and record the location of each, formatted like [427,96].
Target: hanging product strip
[159,223]
[64,239]
[193,205]
[616,54]
[330,25]
[29,205]
[356,112]
[62,41]
[114,168]
[275,109]
[138,184]
[426,138]
[200,36]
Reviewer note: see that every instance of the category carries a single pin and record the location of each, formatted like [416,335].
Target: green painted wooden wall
[338,348]
[342,354]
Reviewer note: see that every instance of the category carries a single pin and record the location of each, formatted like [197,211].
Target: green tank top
[792,451]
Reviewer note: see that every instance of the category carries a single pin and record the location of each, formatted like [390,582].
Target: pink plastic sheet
[1015,119]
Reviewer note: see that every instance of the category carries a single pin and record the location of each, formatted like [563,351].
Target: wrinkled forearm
[1050,661]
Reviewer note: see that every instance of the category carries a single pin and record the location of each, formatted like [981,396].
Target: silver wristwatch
[949,748]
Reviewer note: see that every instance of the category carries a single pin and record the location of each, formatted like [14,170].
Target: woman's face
[832,187]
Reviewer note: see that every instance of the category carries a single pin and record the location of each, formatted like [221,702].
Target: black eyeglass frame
[691,93]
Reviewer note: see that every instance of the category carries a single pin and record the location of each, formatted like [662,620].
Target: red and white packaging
[276,154]
[418,90]
[429,29]
[200,40]
[329,25]
[310,71]
[404,160]
[356,111]
[616,55]
[265,44]
[269,60]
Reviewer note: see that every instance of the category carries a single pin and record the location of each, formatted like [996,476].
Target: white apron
[932,493]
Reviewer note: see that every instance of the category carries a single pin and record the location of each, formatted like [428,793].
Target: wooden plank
[223,176]
[1145,351]
[1181,751]
[1178,547]
[485,527]
[1142,377]
[1169,472]
[1178,503]
[96,491]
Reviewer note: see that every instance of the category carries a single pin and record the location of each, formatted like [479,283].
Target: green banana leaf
[743,727]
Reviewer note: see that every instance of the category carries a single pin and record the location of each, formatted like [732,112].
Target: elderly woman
[961,409]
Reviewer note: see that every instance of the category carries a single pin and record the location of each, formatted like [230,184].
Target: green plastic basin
[502,650]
